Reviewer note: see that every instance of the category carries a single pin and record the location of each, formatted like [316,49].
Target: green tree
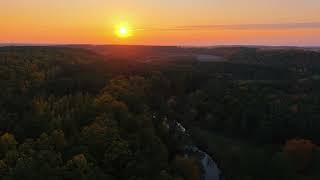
[58,139]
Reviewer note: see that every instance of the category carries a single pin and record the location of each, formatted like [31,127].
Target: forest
[104,113]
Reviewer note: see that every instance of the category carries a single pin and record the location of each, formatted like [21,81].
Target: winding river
[209,166]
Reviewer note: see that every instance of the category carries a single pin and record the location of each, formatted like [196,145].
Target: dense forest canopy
[102,112]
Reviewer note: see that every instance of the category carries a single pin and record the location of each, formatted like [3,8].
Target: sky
[162,22]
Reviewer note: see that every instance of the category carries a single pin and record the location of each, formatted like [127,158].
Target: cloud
[305,25]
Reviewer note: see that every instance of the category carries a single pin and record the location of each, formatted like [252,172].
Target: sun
[123,31]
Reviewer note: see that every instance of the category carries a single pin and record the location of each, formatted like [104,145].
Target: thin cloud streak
[309,25]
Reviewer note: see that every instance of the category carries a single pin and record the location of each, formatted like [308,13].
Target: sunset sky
[161,22]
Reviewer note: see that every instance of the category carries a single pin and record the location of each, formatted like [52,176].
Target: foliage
[300,152]
[68,113]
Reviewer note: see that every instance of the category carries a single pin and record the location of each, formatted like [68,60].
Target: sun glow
[123,31]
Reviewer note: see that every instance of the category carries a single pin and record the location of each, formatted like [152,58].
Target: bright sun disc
[123,31]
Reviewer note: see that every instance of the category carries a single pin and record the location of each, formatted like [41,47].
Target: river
[209,166]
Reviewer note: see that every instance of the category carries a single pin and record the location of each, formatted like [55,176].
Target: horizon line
[159,45]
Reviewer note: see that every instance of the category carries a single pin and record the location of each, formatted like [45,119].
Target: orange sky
[165,22]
